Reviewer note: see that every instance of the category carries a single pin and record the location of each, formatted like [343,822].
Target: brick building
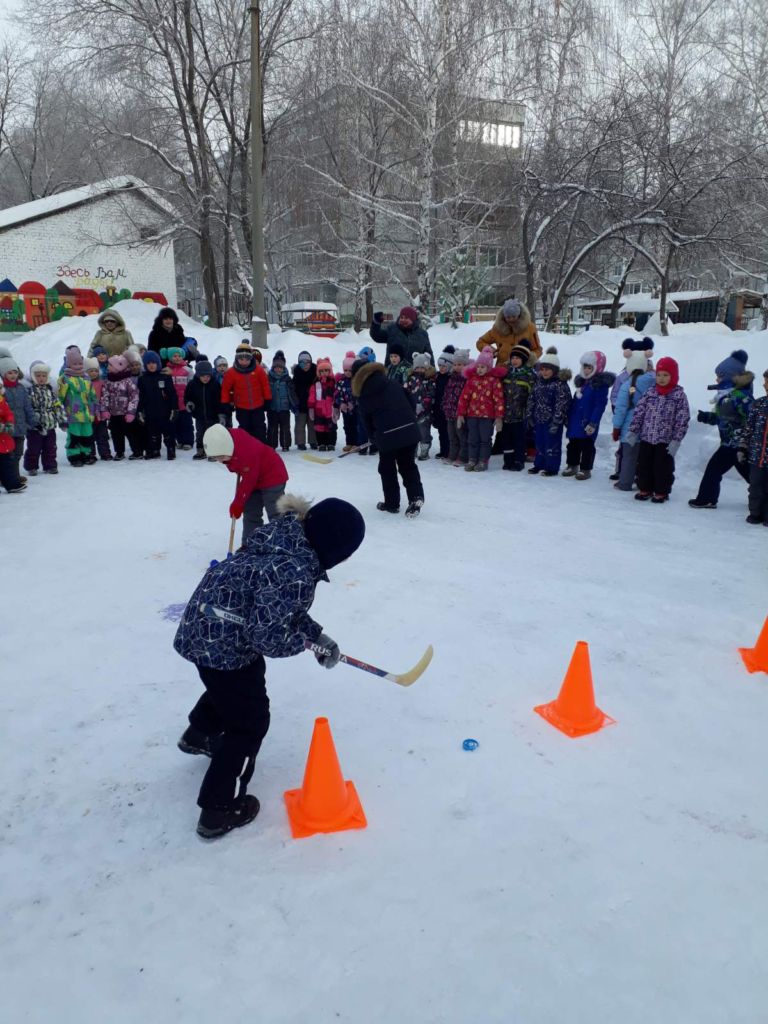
[79,252]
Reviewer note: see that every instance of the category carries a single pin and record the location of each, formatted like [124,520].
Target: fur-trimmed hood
[597,380]
[364,374]
[523,320]
[294,503]
[495,371]
[564,375]
[743,380]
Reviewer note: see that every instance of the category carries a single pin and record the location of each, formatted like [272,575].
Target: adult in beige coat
[112,334]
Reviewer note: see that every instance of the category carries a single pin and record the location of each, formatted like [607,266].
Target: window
[491,134]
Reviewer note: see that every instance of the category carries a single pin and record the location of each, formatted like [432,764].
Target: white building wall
[90,246]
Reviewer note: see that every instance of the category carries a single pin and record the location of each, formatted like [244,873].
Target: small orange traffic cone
[575,712]
[325,802]
[756,658]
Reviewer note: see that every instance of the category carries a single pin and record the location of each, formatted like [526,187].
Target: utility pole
[258,326]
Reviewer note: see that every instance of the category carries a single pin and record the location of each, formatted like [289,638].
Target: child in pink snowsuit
[320,405]
[119,402]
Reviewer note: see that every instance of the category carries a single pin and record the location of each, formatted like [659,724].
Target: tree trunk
[663,294]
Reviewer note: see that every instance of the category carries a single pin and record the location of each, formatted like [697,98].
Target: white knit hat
[637,361]
[550,358]
[217,440]
[91,363]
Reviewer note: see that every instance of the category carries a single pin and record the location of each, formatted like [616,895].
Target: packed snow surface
[539,879]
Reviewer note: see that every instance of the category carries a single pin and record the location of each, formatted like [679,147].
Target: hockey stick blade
[405,679]
[326,462]
[318,460]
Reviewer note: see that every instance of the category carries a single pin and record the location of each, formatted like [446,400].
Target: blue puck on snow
[470,744]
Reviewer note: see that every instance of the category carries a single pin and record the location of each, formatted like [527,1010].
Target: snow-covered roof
[691,296]
[645,304]
[51,205]
[310,307]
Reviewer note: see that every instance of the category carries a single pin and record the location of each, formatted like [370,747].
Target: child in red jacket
[261,471]
[320,405]
[246,389]
[482,407]
[9,472]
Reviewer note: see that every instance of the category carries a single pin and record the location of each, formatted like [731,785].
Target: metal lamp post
[259,315]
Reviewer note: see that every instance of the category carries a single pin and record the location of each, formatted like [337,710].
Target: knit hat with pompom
[486,357]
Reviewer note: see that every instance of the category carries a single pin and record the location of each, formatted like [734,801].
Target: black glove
[702,417]
[378,318]
[331,659]
[174,415]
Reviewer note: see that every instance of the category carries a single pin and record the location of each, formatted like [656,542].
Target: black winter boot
[195,742]
[171,454]
[216,823]
[199,454]
[382,507]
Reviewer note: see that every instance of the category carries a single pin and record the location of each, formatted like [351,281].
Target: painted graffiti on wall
[32,304]
[103,277]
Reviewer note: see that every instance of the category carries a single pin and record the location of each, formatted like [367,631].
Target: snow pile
[540,879]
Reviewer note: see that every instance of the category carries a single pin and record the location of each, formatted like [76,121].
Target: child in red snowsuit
[482,405]
[261,471]
[320,405]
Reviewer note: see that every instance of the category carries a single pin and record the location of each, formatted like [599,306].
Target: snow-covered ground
[615,878]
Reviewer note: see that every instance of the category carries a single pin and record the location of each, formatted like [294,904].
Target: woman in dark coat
[389,419]
[166,332]
[405,331]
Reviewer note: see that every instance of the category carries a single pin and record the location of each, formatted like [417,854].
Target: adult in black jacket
[303,377]
[158,406]
[202,399]
[406,331]
[389,419]
[166,332]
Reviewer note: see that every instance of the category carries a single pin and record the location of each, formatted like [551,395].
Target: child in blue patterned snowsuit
[730,410]
[270,583]
[547,412]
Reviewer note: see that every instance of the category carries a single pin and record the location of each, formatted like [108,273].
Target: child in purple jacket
[119,402]
[660,423]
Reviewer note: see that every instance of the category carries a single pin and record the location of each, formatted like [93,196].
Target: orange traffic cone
[756,658]
[575,712]
[325,802]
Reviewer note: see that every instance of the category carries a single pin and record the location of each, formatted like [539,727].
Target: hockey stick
[327,462]
[232,527]
[404,679]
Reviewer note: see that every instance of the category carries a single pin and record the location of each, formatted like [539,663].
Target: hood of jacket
[523,321]
[111,314]
[743,381]
[597,380]
[495,371]
[368,373]
[285,536]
